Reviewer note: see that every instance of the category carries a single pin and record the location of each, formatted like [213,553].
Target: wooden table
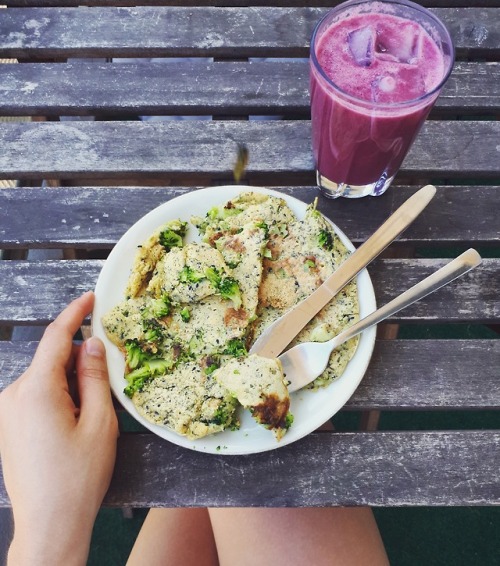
[82,183]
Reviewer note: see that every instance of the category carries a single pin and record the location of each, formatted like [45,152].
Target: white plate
[310,409]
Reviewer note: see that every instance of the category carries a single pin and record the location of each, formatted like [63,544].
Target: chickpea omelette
[192,310]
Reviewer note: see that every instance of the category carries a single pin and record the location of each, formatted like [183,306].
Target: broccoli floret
[200,223]
[264,226]
[220,417]
[325,239]
[211,368]
[153,330]
[213,276]
[196,343]
[225,416]
[235,347]
[135,356]
[213,213]
[152,335]
[137,378]
[160,366]
[169,239]
[185,314]
[211,363]
[288,420]
[177,226]
[223,212]
[228,288]
[157,308]
[189,275]
[171,236]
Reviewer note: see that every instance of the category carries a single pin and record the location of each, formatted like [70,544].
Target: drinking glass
[376,69]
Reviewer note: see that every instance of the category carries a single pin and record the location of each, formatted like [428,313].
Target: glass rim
[383,105]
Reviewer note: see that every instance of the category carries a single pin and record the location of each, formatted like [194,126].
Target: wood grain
[172,150]
[149,31]
[96,217]
[241,3]
[435,468]
[464,374]
[396,469]
[36,291]
[203,88]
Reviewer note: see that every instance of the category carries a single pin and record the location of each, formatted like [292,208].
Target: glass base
[334,190]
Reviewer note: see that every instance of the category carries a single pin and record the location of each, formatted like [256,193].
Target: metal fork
[305,362]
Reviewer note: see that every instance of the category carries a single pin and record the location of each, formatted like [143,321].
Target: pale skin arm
[58,456]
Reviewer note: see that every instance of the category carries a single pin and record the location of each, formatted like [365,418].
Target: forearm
[57,456]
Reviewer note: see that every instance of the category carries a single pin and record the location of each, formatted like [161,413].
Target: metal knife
[278,335]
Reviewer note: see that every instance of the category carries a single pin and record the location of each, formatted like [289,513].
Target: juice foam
[381,58]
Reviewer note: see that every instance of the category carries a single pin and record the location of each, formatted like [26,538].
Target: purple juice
[374,78]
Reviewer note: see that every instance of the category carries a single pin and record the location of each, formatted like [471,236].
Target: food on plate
[187,400]
[151,251]
[192,310]
[259,385]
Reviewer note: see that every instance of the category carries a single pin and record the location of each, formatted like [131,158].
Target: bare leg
[175,537]
[321,536]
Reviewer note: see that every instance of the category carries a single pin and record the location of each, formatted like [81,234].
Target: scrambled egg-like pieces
[192,311]
[259,385]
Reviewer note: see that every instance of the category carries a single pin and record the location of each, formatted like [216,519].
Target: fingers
[96,406]
[56,346]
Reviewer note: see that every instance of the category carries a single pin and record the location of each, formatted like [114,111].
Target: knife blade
[278,335]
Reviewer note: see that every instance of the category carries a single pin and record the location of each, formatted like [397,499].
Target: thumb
[93,381]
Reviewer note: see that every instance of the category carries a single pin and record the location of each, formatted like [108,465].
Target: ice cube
[401,47]
[361,43]
[382,88]
[387,84]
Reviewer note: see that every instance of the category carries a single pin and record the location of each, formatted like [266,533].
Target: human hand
[58,456]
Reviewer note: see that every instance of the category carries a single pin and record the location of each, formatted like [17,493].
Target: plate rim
[215,444]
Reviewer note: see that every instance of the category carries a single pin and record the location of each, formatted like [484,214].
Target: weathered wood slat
[199,31]
[36,291]
[464,374]
[86,217]
[396,469]
[425,472]
[157,32]
[475,294]
[236,3]
[470,85]
[198,87]
[150,472]
[170,150]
